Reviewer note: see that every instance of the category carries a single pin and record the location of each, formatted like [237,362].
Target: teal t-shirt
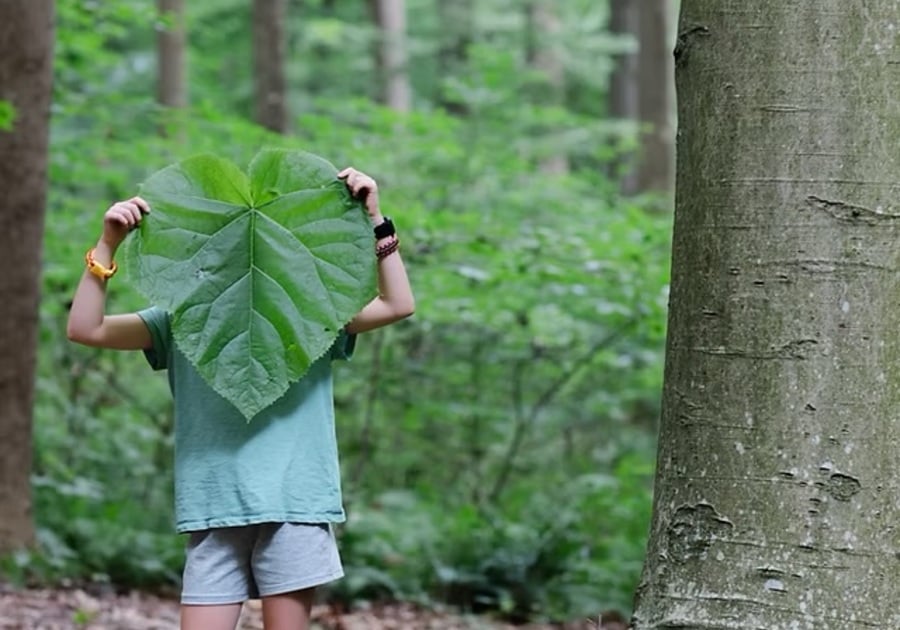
[282,466]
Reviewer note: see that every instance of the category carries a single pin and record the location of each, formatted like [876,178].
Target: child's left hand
[364,188]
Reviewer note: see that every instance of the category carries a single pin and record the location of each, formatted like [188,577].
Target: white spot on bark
[739,448]
[845,306]
[775,585]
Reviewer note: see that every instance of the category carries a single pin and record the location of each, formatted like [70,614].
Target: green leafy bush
[556,555]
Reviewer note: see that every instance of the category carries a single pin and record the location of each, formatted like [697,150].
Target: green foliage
[260,271]
[572,553]
[7,115]
[497,447]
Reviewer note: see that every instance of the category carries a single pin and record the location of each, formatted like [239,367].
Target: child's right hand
[121,218]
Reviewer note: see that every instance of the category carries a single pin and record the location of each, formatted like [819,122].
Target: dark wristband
[385,229]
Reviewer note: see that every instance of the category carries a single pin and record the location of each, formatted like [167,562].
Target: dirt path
[75,609]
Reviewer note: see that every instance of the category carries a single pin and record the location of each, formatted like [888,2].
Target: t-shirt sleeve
[343,346]
[157,321]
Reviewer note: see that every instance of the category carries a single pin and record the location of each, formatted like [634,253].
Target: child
[257,498]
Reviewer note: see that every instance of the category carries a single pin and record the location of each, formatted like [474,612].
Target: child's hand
[121,218]
[363,187]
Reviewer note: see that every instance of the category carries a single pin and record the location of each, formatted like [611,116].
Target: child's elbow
[80,334]
[75,335]
[406,309]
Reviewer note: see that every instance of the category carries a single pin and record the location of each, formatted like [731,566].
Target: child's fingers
[124,213]
[142,205]
[128,211]
[136,211]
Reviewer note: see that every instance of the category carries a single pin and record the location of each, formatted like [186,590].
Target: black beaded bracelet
[383,251]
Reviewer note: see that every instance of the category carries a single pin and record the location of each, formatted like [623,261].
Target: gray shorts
[234,564]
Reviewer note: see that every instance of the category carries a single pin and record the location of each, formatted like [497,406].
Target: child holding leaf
[257,497]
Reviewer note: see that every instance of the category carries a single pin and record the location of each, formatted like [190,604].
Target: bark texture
[26,75]
[776,501]
[269,82]
[171,40]
[390,55]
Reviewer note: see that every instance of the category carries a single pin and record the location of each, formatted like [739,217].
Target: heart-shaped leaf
[259,272]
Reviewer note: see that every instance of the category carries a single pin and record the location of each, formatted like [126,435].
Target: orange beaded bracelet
[97,269]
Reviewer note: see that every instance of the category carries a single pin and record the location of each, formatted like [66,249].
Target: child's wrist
[104,251]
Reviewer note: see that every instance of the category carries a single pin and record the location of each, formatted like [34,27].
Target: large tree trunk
[172,84]
[655,169]
[776,502]
[390,54]
[270,84]
[544,42]
[26,76]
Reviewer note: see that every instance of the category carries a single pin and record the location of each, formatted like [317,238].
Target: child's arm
[395,299]
[88,323]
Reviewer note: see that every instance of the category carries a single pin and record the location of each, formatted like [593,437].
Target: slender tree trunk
[269,82]
[458,27]
[170,46]
[26,76]
[776,493]
[623,92]
[655,171]
[624,103]
[544,55]
[391,57]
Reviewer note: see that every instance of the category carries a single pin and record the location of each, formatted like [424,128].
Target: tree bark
[655,169]
[776,492]
[26,78]
[544,33]
[170,46]
[390,55]
[269,82]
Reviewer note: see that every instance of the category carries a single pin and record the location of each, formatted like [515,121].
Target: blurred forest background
[497,448]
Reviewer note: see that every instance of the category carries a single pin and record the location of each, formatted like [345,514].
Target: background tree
[390,53]
[171,37]
[656,159]
[543,52]
[270,83]
[455,33]
[623,85]
[641,90]
[26,71]
[775,502]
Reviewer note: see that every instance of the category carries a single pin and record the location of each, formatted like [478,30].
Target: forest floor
[76,609]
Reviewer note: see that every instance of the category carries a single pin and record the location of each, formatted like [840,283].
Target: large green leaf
[259,272]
